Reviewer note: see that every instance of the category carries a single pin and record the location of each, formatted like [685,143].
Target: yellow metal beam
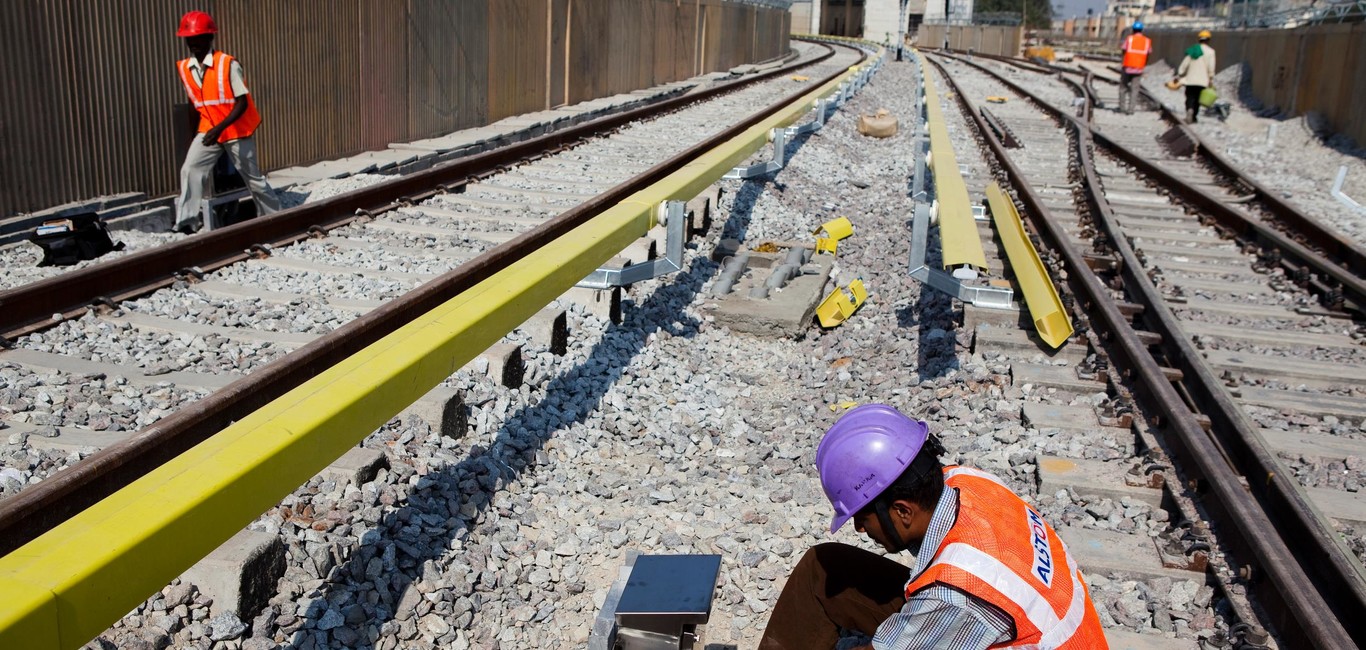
[70,584]
[1041,297]
[957,230]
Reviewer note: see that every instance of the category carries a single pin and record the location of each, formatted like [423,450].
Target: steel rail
[37,305]
[1327,242]
[1304,610]
[38,509]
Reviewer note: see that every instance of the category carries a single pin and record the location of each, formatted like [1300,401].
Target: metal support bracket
[1343,198]
[675,222]
[979,296]
[779,137]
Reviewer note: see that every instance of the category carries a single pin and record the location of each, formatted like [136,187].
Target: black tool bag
[71,239]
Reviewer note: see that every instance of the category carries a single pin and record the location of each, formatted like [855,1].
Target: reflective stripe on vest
[214,107]
[1001,551]
[1056,631]
[1136,50]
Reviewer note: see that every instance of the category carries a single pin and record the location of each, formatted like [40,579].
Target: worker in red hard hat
[989,571]
[228,119]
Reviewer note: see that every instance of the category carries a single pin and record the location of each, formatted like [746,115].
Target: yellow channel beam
[1041,297]
[957,231]
[69,585]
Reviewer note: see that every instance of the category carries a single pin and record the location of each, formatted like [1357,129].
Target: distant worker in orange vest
[227,120]
[1136,49]
[989,571]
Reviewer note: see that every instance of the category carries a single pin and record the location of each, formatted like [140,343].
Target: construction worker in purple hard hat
[989,571]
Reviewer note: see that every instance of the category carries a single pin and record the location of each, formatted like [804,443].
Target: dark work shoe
[186,227]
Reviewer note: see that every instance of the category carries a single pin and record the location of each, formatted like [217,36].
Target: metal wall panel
[384,80]
[518,44]
[90,103]
[557,58]
[1320,68]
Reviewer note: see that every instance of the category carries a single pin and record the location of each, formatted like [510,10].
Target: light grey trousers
[196,178]
[1128,92]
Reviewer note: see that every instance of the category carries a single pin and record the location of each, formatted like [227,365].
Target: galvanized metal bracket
[1343,198]
[779,138]
[979,296]
[675,222]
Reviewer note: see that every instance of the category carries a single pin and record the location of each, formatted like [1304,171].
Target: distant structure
[882,21]
[1130,9]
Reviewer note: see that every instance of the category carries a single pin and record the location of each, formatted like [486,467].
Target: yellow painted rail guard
[69,585]
[1050,319]
[958,237]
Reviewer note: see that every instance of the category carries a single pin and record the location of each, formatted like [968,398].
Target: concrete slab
[1192,251]
[1221,287]
[240,575]
[786,312]
[458,217]
[1060,377]
[1141,237]
[502,362]
[974,316]
[1315,404]
[1126,640]
[603,303]
[49,362]
[1240,308]
[164,324]
[1099,478]
[66,439]
[221,289]
[443,409]
[1290,371]
[490,236]
[303,266]
[1016,342]
[356,467]
[1236,267]
[1347,507]
[1277,337]
[1057,416]
[548,328]
[1322,446]
[1115,555]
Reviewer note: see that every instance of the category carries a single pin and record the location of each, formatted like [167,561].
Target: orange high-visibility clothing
[1001,551]
[215,100]
[1136,48]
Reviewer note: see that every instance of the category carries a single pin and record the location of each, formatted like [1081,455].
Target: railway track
[667,434]
[193,332]
[1233,329]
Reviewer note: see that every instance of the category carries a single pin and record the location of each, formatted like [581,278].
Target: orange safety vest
[1001,551]
[1136,50]
[215,100]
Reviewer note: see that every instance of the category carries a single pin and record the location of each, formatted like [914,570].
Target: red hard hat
[195,23]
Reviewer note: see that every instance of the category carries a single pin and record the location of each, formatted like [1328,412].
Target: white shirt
[197,69]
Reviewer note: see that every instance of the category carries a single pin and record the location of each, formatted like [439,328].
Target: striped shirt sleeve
[943,618]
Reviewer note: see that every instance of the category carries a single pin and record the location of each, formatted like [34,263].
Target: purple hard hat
[863,453]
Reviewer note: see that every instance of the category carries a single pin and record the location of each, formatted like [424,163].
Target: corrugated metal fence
[90,104]
[1001,40]
[1320,68]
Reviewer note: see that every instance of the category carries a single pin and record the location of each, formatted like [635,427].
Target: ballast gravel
[662,434]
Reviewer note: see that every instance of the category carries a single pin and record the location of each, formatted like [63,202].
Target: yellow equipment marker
[957,230]
[1041,297]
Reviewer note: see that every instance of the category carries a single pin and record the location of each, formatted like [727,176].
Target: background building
[876,20]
